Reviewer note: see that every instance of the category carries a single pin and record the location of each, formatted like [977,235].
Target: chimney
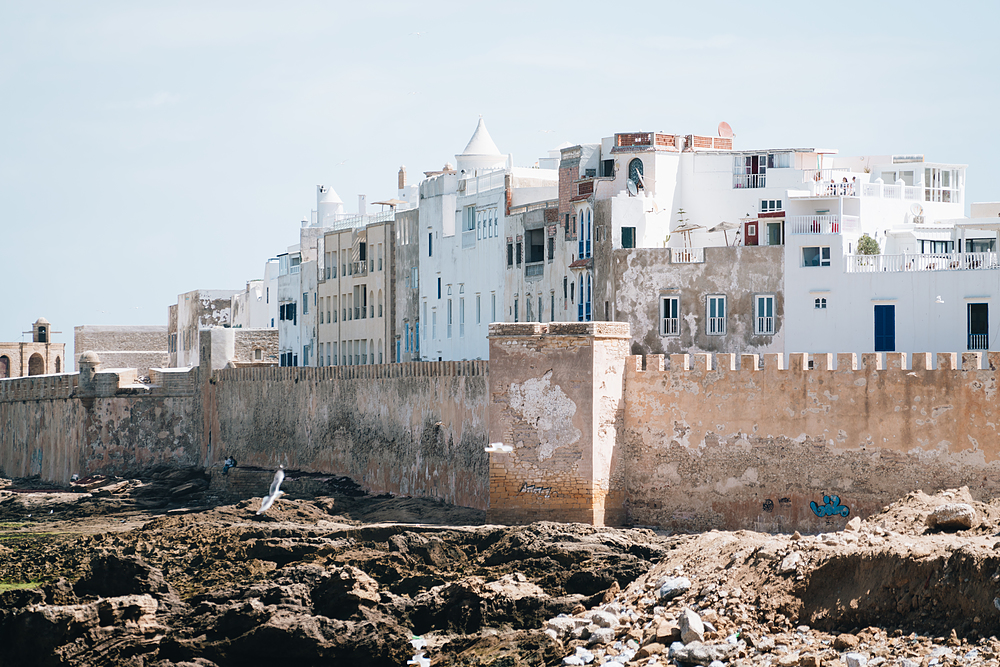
[362,205]
[402,177]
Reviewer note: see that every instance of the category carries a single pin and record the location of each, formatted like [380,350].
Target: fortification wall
[804,448]
[55,426]
[413,428]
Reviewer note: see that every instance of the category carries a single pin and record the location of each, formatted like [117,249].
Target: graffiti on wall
[831,507]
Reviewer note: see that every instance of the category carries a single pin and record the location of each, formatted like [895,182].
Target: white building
[463,246]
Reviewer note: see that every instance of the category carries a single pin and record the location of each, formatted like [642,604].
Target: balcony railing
[824,175]
[765,326]
[670,326]
[687,255]
[482,183]
[979,341]
[716,326]
[359,268]
[822,224]
[535,269]
[749,180]
[957,261]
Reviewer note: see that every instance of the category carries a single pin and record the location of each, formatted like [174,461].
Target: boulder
[953,516]
[703,654]
[671,587]
[691,627]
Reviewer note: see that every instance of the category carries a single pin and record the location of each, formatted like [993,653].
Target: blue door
[885,328]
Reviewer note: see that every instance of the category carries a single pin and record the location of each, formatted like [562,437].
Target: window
[517,254]
[439,287]
[510,254]
[461,318]
[493,299]
[764,315]
[749,171]
[941,185]
[885,328]
[552,307]
[716,316]
[980,245]
[541,314]
[608,168]
[979,326]
[479,319]
[566,230]
[434,324]
[305,303]
[379,256]
[635,172]
[258,354]
[425,320]
[670,321]
[572,287]
[779,161]
[469,219]
[768,205]
[628,237]
[816,256]
[449,319]
[820,303]
[515,309]
[430,244]
[536,245]
[936,247]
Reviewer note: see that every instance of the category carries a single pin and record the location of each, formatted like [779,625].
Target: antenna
[725,130]
[630,186]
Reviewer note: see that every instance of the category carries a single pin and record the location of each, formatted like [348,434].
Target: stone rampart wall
[804,448]
[413,428]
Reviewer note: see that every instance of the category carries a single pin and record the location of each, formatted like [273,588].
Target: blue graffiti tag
[831,506]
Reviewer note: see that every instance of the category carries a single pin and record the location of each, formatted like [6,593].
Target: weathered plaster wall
[415,428]
[554,397]
[248,340]
[57,426]
[642,276]
[714,447]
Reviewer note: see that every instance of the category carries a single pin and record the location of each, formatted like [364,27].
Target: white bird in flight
[499,447]
[274,492]
[939,299]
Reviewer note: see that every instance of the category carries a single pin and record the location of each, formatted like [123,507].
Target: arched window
[635,172]
[380,303]
[36,365]
[588,312]
[58,365]
[4,366]
[380,350]
[42,336]
[258,354]
[590,229]
[371,303]
[371,348]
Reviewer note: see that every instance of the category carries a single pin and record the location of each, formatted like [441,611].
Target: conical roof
[481,142]
[331,197]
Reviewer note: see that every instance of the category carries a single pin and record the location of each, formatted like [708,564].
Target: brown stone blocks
[680,362]
[947,361]
[972,361]
[847,361]
[702,363]
[798,361]
[772,362]
[725,362]
[822,361]
[871,361]
[749,362]
[895,361]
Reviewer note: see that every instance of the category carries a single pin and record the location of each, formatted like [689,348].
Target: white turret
[329,206]
[481,152]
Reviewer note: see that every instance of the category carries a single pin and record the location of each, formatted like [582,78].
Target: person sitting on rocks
[230,462]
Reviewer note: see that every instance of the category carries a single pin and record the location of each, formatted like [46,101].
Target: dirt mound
[909,515]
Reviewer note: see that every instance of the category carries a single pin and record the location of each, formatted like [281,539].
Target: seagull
[546,131]
[499,447]
[418,642]
[274,492]
[939,299]
[340,163]
[419,660]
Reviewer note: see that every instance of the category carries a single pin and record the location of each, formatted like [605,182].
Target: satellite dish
[725,130]
[632,189]
[916,209]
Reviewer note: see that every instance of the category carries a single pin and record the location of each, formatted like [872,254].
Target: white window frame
[670,326]
[823,253]
[763,325]
[715,324]
[820,303]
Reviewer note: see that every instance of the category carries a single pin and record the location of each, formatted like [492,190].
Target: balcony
[687,255]
[534,269]
[956,261]
[359,268]
[822,224]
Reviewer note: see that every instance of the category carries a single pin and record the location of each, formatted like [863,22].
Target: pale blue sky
[147,151]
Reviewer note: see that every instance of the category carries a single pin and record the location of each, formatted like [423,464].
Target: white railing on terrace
[837,188]
[356,221]
[749,180]
[670,326]
[956,261]
[687,255]
[822,224]
[482,183]
[821,175]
